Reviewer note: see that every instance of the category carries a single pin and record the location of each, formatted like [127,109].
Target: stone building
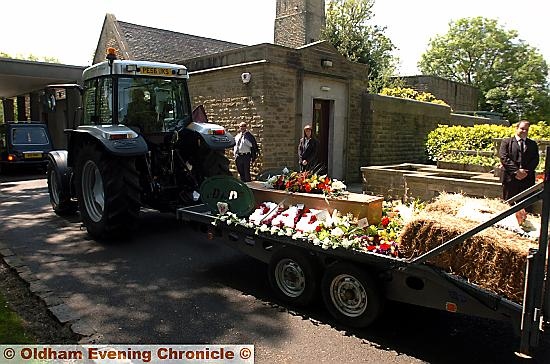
[298,80]
[299,22]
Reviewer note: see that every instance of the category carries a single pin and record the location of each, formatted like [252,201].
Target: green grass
[11,326]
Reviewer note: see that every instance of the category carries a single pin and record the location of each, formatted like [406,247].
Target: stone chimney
[299,22]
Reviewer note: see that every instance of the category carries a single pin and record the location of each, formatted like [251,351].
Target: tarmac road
[169,284]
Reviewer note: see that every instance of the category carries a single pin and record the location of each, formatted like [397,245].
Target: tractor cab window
[98,101]
[152,105]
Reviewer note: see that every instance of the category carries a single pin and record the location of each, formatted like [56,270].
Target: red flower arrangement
[306,182]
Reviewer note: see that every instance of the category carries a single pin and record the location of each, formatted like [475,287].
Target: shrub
[409,93]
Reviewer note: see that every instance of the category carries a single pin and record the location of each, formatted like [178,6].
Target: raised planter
[464,167]
[357,204]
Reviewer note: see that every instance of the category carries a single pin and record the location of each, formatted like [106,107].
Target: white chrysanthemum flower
[264,228]
[316,241]
[338,185]
[346,243]
[337,231]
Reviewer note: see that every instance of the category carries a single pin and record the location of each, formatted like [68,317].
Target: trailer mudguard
[118,140]
[58,161]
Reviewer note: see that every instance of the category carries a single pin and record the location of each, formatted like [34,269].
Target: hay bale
[494,259]
[451,203]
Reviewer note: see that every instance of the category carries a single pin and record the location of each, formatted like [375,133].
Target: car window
[29,136]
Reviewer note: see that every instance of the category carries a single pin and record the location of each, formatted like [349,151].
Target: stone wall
[468,120]
[395,129]
[267,104]
[459,96]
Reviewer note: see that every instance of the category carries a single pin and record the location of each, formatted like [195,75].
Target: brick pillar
[21,108]
[8,110]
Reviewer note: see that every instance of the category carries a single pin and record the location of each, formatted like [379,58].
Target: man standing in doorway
[245,151]
[519,156]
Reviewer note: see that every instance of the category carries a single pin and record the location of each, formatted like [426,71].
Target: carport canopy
[19,77]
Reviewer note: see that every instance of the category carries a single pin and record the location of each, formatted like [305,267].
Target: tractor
[135,143]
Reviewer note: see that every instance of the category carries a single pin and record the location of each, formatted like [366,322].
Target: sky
[69,29]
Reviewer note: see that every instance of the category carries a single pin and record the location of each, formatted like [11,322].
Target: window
[153,104]
[98,101]
[29,136]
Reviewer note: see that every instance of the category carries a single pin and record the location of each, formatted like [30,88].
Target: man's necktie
[521,150]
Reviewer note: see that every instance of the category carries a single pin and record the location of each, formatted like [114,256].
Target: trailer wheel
[60,199]
[293,276]
[351,295]
[108,192]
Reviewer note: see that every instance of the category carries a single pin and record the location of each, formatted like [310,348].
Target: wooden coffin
[357,204]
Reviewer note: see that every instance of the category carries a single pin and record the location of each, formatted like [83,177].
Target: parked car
[24,143]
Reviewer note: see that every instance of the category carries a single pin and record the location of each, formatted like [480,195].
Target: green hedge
[478,138]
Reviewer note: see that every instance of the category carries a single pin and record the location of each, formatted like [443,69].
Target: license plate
[32,155]
[154,71]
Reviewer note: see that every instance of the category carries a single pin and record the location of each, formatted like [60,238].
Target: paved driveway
[169,284]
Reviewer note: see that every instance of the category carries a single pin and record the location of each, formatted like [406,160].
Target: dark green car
[24,143]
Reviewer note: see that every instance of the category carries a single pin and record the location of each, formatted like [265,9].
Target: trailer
[355,284]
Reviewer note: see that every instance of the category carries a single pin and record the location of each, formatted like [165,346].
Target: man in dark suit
[519,157]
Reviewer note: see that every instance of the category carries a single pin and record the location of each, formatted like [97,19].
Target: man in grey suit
[519,156]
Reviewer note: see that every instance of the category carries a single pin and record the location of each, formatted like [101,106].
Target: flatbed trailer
[354,284]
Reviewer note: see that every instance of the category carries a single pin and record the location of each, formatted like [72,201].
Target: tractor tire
[108,193]
[60,199]
[215,163]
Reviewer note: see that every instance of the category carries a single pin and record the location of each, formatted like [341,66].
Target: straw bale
[494,259]
[451,203]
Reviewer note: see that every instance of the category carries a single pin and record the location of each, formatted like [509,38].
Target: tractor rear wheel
[215,163]
[108,192]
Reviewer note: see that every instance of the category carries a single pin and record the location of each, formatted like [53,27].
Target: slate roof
[160,45]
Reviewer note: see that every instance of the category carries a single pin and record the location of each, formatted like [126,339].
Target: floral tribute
[327,230]
[306,182]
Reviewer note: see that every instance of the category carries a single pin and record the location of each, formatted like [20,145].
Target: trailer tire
[293,276]
[351,295]
[60,199]
[108,192]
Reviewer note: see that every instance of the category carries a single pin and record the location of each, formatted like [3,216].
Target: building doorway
[320,125]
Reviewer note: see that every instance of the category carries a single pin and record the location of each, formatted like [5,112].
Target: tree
[510,74]
[30,57]
[347,30]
